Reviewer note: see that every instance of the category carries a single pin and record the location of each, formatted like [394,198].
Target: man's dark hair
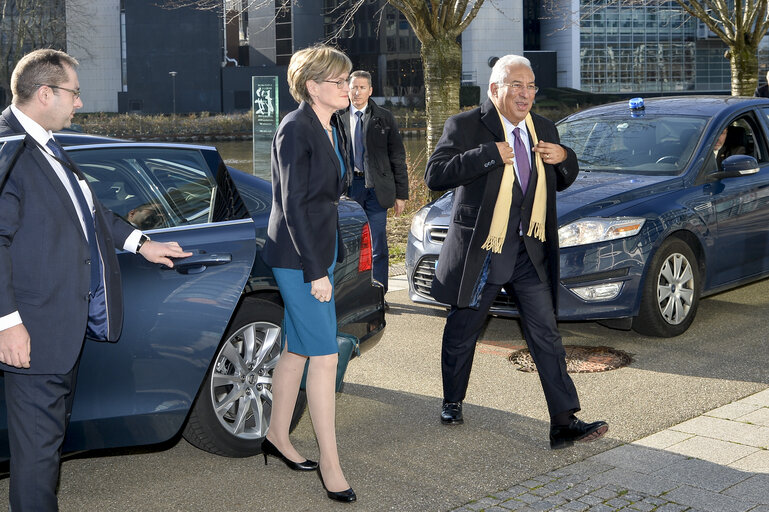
[361,74]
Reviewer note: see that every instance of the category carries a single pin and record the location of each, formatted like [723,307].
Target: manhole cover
[578,359]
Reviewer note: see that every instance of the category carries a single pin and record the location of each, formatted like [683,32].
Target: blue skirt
[309,326]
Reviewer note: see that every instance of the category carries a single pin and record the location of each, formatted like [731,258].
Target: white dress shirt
[509,127]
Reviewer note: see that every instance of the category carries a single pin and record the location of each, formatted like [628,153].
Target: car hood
[603,194]
[593,194]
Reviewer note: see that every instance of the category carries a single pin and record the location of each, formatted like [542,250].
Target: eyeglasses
[75,92]
[518,87]
[339,83]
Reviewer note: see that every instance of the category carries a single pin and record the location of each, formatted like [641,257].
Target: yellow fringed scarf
[498,229]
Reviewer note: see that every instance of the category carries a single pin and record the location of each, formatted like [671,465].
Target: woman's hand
[322,289]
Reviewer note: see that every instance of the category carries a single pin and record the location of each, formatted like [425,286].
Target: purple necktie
[521,160]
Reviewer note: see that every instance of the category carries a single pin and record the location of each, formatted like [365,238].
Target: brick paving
[717,462]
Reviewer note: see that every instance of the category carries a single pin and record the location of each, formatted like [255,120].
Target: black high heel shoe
[347,496]
[270,449]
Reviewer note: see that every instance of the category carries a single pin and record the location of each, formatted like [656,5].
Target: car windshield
[653,145]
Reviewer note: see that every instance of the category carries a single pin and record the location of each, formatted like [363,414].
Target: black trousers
[38,407]
[535,304]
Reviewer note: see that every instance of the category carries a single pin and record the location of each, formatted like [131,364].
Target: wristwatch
[144,238]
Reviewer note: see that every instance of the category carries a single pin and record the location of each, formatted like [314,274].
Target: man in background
[380,178]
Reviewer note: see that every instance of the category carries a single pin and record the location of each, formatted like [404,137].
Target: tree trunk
[744,64]
[442,61]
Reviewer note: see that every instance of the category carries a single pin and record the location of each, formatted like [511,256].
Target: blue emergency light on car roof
[636,107]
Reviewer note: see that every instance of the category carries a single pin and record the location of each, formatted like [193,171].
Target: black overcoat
[385,155]
[466,159]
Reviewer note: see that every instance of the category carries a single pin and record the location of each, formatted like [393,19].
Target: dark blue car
[671,205]
[199,341]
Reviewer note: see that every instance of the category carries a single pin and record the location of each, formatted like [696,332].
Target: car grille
[437,235]
[423,276]
[423,280]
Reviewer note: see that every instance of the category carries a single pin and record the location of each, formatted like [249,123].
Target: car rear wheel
[671,292]
[232,412]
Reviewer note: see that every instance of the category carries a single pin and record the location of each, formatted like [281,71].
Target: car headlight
[592,230]
[418,223]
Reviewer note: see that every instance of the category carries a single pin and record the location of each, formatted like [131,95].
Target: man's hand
[14,346]
[505,152]
[552,154]
[400,205]
[162,252]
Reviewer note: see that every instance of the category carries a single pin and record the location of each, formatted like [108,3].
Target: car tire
[232,412]
[671,291]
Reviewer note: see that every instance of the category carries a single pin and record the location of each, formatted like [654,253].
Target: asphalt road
[398,456]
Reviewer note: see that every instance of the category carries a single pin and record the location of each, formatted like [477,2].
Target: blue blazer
[307,183]
[44,272]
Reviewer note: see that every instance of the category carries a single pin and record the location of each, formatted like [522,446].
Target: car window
[740,137]
[156,187]
[655,145]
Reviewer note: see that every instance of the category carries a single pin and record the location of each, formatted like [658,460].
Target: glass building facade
[379,40]
[631,47]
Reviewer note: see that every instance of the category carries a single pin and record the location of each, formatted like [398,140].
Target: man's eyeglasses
[518,87]
[339,83]
[75,92]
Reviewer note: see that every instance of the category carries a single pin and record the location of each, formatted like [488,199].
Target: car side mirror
[735,166]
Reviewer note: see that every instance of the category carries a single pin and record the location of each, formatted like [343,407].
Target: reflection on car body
[654,221]
[200,340]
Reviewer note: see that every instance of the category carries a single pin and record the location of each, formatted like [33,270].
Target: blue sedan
[671,205]
[200,341]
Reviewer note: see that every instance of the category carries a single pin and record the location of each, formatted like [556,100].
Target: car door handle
[199,262]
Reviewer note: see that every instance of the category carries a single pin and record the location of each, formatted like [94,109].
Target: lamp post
[173,89]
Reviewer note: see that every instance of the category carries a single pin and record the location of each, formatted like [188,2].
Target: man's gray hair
[499,71]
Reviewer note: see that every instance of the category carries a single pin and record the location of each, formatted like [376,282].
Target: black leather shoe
[386,306]
[452,413]
[270,449]
[563,436]
[346,496]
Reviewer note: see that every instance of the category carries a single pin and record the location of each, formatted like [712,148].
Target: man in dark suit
[380,178]
[763,91]
[59,275]
[504,233]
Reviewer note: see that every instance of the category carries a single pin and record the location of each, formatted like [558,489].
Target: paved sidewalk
[717,462]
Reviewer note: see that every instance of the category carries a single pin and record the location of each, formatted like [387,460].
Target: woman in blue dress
[303,244]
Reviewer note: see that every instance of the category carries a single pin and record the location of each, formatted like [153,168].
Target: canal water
[255,158]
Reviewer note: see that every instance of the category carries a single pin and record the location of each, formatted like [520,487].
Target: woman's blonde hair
[316,63]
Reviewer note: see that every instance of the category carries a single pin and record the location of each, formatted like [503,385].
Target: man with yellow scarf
[505,165]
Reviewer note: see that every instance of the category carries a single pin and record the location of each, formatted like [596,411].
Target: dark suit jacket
[762,92]
[385,155]
[306,185]
[466,158]
[44,272]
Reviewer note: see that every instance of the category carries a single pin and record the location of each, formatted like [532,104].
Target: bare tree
[740,24]
[26,25]
[437,24]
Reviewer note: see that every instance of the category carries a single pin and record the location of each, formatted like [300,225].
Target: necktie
[521,160]
[57,150]
[359,141]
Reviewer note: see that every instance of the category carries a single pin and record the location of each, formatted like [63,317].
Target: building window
[636,48]
[284,45]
